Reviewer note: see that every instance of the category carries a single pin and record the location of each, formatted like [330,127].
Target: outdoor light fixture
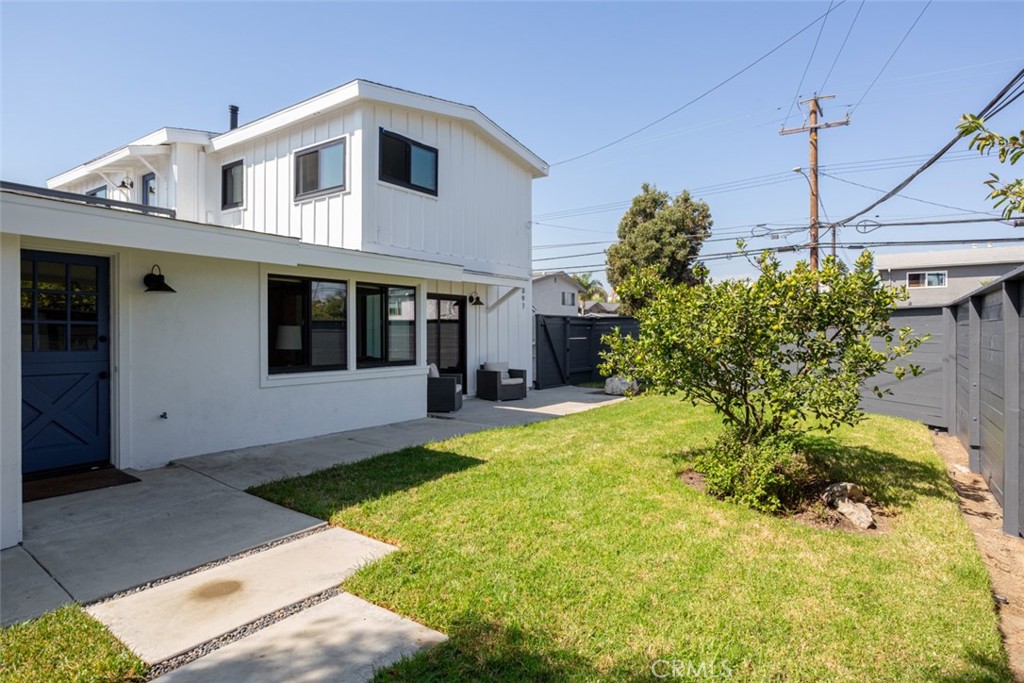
[126,183]
[475,300]
[155,282]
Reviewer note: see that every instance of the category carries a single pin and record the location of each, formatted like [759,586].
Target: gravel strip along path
[210,565]
[241,632]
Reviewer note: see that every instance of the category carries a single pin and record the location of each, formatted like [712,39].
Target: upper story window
[568,298]
[927,279]
[100,192]
[232,185]
[149,189]
[320,169]
[407,163]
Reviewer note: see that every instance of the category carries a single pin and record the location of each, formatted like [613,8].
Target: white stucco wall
[10,392]
[199,355]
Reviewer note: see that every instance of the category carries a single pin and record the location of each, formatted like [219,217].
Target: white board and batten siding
[480,218]
[269,204]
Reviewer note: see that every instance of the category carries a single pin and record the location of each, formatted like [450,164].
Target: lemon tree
[779,354]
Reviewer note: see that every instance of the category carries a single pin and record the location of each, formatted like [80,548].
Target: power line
[754,182]
[703,94]
[903,196]
[571,244]
[997,101]
[898,46]
[848,32]
[807,66]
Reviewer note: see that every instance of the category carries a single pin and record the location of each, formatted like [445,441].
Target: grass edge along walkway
[569,550]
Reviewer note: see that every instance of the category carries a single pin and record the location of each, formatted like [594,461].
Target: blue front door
[65,361]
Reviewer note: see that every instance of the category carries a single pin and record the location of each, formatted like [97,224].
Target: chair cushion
[511,381]
[458,388]
[497,367]
[432,371]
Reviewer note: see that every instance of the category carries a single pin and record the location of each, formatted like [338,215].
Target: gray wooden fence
[569,347]
[971,384]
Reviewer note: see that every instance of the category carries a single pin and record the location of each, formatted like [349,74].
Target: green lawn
[569,550]
[65,645]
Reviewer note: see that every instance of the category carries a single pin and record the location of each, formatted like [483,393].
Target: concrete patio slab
[179,615]
[102,542]
[341,640]
[247,467]
[401,435]
[26,590]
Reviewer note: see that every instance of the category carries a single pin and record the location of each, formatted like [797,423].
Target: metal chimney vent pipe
[233,112]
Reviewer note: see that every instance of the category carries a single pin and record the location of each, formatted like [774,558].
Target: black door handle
[102,338]
[104,374]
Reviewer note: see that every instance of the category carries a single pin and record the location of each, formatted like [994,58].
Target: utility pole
[812,127]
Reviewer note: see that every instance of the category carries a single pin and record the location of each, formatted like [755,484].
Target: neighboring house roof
[548,276]
[950,257]
[600,308]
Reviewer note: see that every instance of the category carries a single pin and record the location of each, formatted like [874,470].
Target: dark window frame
[224,186]
[403,182]
[315,149]
[95,192]
[146,201]
[307,327]
[361,320]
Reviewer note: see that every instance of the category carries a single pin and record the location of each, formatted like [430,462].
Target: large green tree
[662,232]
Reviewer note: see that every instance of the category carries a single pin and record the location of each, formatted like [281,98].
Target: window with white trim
[307,324]
[232,185]
[407,163]
[568,298]
[926,279]
[320,169]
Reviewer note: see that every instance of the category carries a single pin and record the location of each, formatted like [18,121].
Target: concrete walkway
[245,588]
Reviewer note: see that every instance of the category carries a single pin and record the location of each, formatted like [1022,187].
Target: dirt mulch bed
[1003,554]
[809,510]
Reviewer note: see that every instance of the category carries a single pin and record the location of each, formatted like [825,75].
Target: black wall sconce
[155,281]
[126,184]
[475,300]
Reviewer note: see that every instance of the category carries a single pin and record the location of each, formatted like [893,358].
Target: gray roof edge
[1015,274]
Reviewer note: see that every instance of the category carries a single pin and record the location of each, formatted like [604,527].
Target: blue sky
[82,78]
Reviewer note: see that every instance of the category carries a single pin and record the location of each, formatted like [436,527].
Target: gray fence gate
[569,348]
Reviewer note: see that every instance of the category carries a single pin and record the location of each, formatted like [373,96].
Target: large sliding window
[407,163]
[320,169]
[307,324]
[386,325]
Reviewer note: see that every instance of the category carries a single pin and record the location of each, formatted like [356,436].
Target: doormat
[67,484]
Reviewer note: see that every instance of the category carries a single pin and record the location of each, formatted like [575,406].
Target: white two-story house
[320,257]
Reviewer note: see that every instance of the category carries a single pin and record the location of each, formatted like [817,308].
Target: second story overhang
[137,154]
